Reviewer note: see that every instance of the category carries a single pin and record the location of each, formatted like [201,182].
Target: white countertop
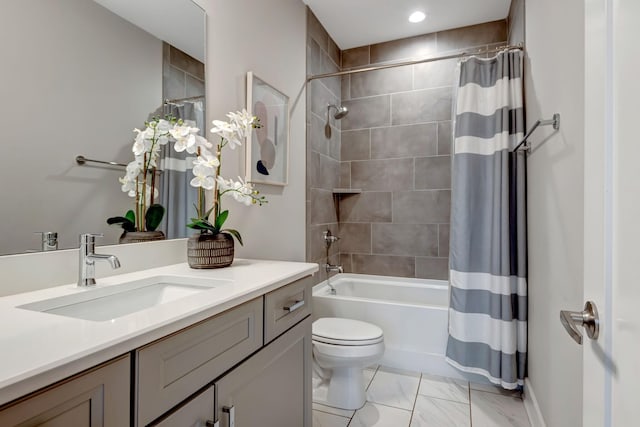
[38,349]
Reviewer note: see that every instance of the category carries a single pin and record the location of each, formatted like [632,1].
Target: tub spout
[333,268]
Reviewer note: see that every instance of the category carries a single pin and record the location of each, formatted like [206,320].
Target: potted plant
[140,180]
[213,246]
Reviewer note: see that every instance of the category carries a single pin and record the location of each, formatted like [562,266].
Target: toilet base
[345,389]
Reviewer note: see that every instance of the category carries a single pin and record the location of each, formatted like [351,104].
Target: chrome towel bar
[554,121]
[81,160]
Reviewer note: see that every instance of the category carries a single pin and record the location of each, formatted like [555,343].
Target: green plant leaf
[208,213]
[202,224]
[123,222]
[131,216]
[154,216]
[235,234]
[221,219]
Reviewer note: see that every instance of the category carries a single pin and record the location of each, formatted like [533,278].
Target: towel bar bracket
[554,122]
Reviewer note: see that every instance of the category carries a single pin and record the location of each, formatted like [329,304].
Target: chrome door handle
[231,412]
[291,307]
[587,318]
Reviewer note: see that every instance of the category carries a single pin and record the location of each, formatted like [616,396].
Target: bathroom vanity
[238,353]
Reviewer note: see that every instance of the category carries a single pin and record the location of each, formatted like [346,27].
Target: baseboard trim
[531,405]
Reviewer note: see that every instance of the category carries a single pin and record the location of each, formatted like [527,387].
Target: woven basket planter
[210,250]
[141,236]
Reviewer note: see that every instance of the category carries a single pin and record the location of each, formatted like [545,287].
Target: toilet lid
[339,331]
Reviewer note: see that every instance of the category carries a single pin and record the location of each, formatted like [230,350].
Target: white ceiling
[353,23]
[180,23]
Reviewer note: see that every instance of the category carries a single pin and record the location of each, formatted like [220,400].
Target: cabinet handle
[293,307]
[212,424]
[231,411]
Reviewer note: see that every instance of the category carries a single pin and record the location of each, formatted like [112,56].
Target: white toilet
[342,348]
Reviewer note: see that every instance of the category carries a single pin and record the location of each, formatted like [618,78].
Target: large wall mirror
[77,77]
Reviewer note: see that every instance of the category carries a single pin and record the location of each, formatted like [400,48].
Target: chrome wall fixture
[554,121]
[81,160]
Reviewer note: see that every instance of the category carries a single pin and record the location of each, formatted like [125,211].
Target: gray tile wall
[395,146]
[324,171]
[182,75]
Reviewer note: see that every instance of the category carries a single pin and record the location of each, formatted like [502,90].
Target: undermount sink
[111,302]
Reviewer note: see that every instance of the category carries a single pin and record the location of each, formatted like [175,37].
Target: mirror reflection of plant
[206,171]
[140,178]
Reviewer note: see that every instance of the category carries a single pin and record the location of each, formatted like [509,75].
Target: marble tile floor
[398,398]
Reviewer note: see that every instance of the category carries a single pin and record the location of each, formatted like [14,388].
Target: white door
[611,377]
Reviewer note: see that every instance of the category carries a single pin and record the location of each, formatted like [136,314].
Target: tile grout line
[331,413]
[415,400]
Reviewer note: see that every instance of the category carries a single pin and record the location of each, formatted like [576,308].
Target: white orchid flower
[203,169]
[202,141]
[133,170]
[139,144]
[128,186]
[163,125]
[182,136]
[242,120]
[239,190]
[206,158]
[223,184]
[228,131]
[205,182]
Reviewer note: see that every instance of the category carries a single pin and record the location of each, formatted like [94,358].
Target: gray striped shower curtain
[488,260]
[176,194]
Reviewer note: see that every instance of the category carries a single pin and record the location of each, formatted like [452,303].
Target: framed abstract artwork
[267,151]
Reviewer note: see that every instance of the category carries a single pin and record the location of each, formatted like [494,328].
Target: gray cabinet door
[175,367]
[195,413]
[96,398]
[273,387]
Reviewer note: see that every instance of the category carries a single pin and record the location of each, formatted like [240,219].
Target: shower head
[341,111]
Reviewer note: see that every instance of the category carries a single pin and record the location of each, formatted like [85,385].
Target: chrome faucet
[331,268]
[88,258]
[49,240]
[330,239]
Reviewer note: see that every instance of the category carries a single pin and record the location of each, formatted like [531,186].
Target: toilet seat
[346,332]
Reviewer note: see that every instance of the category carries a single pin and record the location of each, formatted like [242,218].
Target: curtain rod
[191,98]
[417,61]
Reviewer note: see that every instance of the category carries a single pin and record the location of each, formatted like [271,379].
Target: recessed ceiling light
[417,16]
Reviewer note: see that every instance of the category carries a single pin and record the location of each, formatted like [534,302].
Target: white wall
[268,38]
[75,79]
[271,42]
[555,83]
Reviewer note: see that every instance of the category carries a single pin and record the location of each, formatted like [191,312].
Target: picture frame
[267,150]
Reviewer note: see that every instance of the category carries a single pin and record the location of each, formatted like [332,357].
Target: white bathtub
[411,312]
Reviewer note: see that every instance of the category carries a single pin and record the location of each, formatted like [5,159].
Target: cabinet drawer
[285,307]
[169,370]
